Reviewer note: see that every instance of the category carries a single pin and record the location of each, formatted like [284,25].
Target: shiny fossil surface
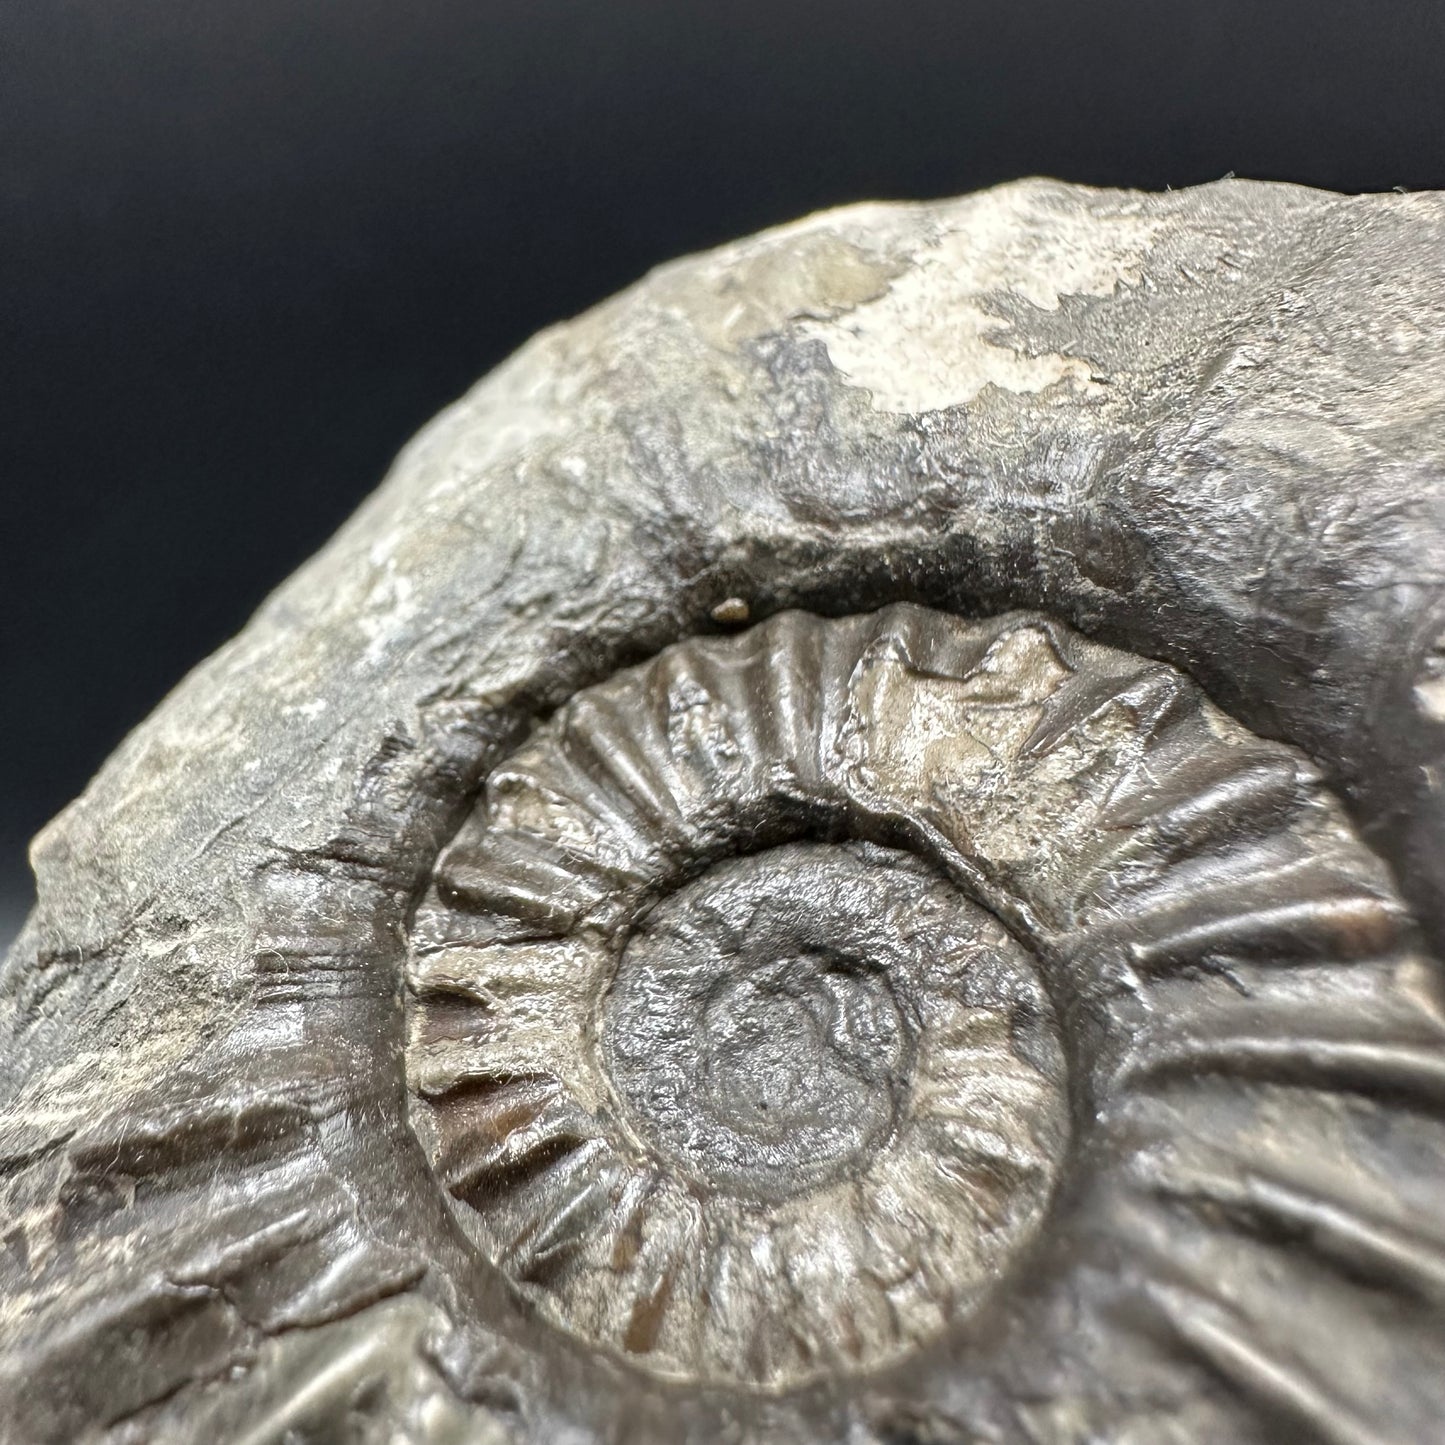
[759,1110]
[1149,758]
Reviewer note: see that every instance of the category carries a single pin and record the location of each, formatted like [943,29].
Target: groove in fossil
[1252,1365]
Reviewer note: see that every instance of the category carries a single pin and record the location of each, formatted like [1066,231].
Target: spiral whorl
[742,1002]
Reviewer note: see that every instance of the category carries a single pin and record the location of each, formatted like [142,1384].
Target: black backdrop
[248,246]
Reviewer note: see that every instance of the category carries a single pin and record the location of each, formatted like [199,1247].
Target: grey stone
[455,907]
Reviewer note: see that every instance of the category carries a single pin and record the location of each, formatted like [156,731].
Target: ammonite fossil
[847,852]
[757,1109]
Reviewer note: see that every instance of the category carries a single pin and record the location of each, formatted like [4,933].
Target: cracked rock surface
[896,763]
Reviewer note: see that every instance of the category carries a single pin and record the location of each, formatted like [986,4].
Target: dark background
[246,248]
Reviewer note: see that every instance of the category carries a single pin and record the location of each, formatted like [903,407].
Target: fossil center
[749,1042]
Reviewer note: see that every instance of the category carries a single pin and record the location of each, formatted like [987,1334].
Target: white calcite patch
[929,341]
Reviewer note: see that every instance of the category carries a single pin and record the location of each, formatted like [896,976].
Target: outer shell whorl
[735,1006]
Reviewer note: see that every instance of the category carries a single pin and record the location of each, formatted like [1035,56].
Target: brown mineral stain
[1365,926]
[645,1324]
[500,1122]
[733,611]
[629,1240]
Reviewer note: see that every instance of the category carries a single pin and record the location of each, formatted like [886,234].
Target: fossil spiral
[738,999]
[848,851]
